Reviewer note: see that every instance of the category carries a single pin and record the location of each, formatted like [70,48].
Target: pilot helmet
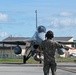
[49,34]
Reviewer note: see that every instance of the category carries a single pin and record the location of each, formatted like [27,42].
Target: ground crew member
[49,47]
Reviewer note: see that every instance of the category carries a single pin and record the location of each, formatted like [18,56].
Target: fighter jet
[34,41]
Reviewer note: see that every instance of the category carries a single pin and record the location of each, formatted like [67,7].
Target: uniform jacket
[49,47]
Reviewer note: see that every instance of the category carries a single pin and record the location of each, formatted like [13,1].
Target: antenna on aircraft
[36,18]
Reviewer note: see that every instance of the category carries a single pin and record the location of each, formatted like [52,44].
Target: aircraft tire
[24,59]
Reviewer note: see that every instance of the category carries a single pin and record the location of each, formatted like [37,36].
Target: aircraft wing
[13,42]
[16,42]
[66,42]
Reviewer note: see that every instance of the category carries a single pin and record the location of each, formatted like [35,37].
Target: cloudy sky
[17,17]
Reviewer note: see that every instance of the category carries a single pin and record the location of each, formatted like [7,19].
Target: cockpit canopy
[41,29]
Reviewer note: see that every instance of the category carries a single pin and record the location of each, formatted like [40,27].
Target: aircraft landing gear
[40,61]
[24,59]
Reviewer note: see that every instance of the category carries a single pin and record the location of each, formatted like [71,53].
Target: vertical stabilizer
[36,18]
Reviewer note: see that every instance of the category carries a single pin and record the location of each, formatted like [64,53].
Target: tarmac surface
[35,69]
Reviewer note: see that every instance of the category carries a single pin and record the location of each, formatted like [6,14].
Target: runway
[35,69]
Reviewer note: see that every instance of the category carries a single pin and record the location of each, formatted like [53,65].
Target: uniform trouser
[48,66]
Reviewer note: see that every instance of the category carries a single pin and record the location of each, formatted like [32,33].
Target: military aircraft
[35,42]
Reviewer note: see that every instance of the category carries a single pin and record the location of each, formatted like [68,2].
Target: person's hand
[72,48]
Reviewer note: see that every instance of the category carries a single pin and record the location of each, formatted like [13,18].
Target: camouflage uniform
[49,47]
